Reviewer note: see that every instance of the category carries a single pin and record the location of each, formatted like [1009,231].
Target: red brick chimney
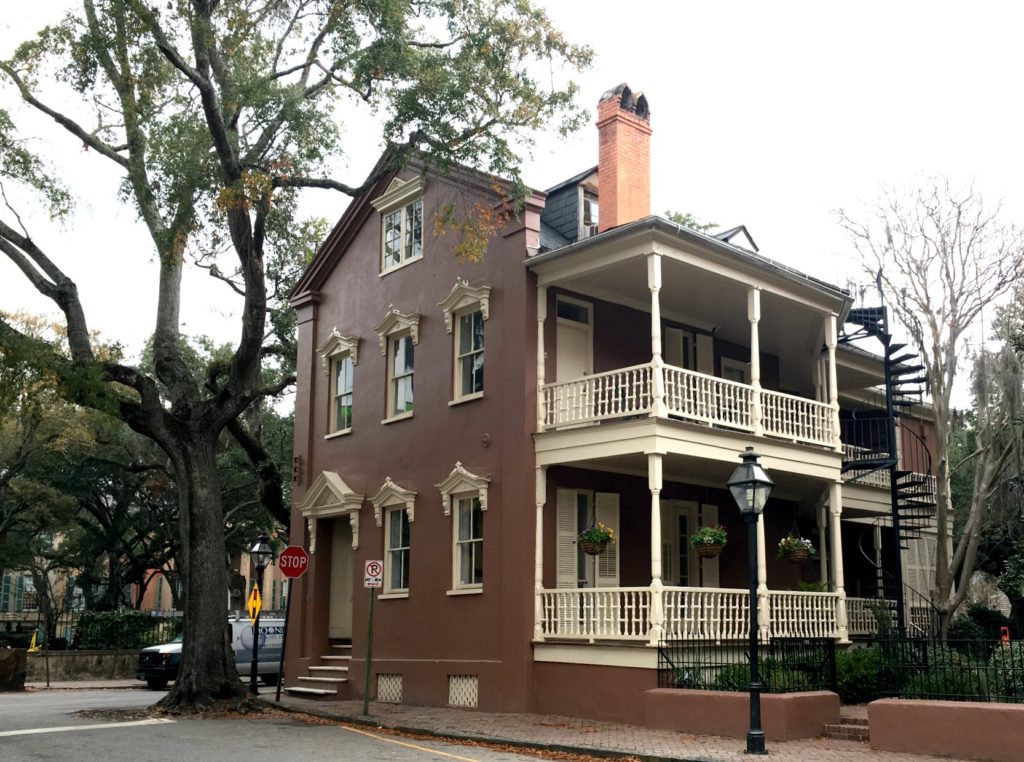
[624,157]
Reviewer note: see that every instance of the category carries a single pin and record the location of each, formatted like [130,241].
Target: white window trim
[456,365]
[387,589]
[395,322]
[332,414]
[459,588]
[460,482]
[461,297]
[390,495]
[397,197]
[336,344]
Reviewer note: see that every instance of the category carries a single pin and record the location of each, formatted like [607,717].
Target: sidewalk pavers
[583,736]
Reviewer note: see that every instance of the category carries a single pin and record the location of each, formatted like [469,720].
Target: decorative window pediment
[399,193]
[329,497]
[464,295]
[459,481]
[335,345]
[395,322]
[392,494]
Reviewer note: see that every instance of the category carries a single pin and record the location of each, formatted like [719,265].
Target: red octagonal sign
[293,561]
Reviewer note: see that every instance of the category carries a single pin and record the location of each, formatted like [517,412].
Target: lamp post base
[755,742]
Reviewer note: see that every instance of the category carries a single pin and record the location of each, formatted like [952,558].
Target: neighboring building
[629,360]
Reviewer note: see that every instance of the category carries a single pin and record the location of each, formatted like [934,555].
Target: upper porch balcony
[655,320]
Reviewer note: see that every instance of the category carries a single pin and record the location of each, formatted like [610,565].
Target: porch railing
[688,613]
[688,396]
[802,615]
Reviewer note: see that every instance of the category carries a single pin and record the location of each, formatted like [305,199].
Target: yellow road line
[407,745]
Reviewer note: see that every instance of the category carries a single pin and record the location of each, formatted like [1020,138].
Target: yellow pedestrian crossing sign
[254,605]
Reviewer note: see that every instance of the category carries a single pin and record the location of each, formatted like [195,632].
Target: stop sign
[293,561]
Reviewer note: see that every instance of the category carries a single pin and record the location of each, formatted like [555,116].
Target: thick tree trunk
[207,673]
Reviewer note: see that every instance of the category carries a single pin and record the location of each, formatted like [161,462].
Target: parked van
[159,665]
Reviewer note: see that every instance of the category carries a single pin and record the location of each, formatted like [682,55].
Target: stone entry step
[343,670]
[333,680]
[315,693]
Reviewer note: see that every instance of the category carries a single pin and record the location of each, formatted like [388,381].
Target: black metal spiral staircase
[870,436]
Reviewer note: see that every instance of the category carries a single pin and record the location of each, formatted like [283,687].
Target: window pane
[478,330]
[465,519]
[392,239]
[395,529]
[466,333]
[414,230]
[466,564]
[478,519]
[572,311]
[343,412]
[403,395]
[345,384]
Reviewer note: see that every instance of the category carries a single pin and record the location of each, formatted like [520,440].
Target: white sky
[767,114]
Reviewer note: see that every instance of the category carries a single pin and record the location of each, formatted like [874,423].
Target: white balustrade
[802,615]
[860,614]
[708,399]
[615,394]
[706,613]
[801,420]
[610,613]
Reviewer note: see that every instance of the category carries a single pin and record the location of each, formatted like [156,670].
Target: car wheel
[156,683]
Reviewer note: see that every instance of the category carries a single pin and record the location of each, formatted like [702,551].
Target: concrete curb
[565,748]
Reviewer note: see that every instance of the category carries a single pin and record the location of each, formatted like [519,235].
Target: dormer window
[588,214]
[401,210]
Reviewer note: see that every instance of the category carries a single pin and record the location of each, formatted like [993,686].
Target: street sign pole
[253,678]
[284,640]
[369,655]
[373,577]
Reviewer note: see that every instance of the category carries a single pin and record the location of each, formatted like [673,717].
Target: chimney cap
[634,103]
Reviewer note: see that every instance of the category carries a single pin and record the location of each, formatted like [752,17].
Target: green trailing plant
[598,533]
[710,535]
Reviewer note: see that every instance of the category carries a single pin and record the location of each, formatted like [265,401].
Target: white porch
[687,613]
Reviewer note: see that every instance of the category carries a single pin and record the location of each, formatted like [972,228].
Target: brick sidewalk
[572,734]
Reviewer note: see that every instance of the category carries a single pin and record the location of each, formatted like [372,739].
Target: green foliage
[710,535]
[792,543]
[689,221]
[990,621]
[857,675]
[777,679]
[966,628]
[946,683]
[1007,670]
[122,630]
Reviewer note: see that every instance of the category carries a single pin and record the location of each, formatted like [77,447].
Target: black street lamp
[260,555]
[750,486]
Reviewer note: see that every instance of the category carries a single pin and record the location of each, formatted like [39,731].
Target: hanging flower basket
[795,549]
[709,551]
[594,540]
[592,548]
[709,541]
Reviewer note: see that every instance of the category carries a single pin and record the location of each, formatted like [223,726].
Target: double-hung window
[397,543]
[339,355]
[465,310]
[469,354]
[399,334]
[341,393]
[401,211]
[469,543]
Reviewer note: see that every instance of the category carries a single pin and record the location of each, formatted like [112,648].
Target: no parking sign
[373,574]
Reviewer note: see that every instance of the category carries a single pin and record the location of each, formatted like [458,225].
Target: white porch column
[538,553]
[754,316]
[654,481]
[835,505]
[542,313]
[658,409]
[833,384]
[823,545]
[764,614]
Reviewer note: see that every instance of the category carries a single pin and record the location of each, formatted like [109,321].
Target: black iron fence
[787,665]
[957,670]
[88,630]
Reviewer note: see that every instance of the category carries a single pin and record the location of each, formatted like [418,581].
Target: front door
[573,339]
[678,561]
[340,617]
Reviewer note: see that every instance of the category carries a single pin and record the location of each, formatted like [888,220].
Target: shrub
[966,628]
[1007,670]
[122,630]
[857,675]
[990,621]
[736,677]
[947,683]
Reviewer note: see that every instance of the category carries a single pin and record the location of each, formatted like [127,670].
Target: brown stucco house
[464,421]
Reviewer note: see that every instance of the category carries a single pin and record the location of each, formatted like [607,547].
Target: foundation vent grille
[463,690]
[389,689]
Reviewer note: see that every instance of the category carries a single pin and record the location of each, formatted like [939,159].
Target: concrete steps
[327,680]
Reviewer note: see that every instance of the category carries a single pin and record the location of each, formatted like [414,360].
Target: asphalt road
[43,726]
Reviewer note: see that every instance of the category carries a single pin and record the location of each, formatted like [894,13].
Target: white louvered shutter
[565,540]
[668,554]
[606,511]
[709,566]
[705,354]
